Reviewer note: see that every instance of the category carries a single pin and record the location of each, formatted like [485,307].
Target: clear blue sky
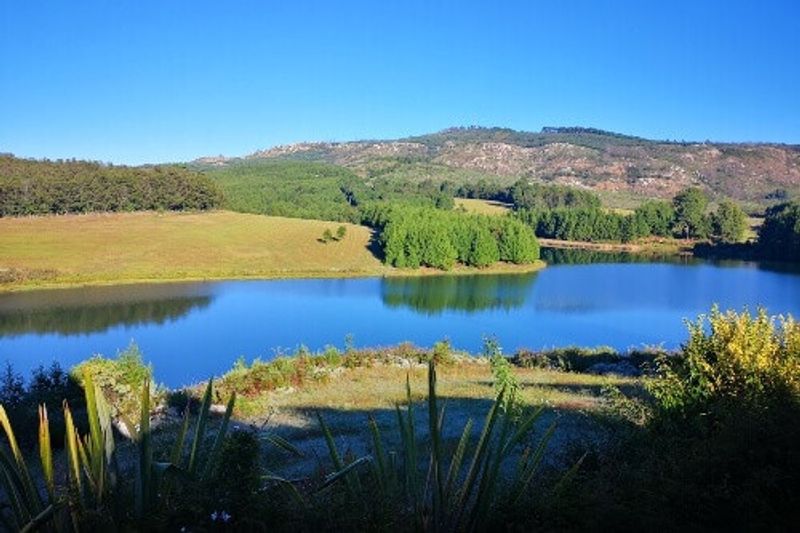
[165,80]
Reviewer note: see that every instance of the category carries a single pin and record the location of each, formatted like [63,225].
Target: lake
[190,331]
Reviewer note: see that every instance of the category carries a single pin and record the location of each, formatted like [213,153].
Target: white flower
[225,516]
[214,516]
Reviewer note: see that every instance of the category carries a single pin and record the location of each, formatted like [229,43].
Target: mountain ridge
[590,158]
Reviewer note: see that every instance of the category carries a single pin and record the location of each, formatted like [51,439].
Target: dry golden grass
[483,207]
[98,248]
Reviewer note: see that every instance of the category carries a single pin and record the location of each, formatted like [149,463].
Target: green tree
[341,231]
[438,251]
[779,236]
[690,214]
[729,222]
[657,215]
[483,251]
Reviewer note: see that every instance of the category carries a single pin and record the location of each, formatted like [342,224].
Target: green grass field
[483,207]
[105,248]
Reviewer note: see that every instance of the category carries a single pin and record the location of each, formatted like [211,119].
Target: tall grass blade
[570,474]
[345,473]
[31,496]
[46,453]
[457,460]
[283,444]
[144,488]
[527,472]
[436,446]
[336,459]
[487,490]
[95,432]
[523,430]
[176,456]
[14,488]
[411,454]
[477,463]
[381,461]
[73,459]
[40,520]
[200,430]
[220,438]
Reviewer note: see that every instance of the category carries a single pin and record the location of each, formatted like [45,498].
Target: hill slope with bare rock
[584,157]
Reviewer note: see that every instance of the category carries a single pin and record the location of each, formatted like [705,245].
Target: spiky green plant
[25,501]
[459,490]
[91,463]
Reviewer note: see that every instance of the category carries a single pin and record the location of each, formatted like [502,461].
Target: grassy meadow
[148,246]
[482,207]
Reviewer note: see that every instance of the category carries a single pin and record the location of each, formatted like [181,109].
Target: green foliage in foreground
[30,187]
[716,448]
[98,494]
[413,237]
[464,488]
[743,362]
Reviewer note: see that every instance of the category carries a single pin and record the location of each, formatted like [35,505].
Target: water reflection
[433,295]
[574,256]
[97,309]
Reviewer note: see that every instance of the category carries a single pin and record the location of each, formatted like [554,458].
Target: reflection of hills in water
[96,309]
[465,293]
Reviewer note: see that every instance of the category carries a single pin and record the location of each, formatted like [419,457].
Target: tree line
[411,237]
[29,187]
[685,217]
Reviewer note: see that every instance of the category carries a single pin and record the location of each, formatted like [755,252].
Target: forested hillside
[302,189]
[29,187]
[758,174]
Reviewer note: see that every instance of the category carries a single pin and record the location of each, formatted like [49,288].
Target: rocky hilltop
[583,157]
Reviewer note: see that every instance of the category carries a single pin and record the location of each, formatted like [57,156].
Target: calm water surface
[192,330]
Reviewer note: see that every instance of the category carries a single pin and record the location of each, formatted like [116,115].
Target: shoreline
[385,272]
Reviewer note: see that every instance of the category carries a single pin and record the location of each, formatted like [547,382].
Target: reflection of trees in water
[573,256]
[570,256]
[466,293]
[97,309]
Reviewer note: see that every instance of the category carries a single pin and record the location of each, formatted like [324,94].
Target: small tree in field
[327,236]
[341,231]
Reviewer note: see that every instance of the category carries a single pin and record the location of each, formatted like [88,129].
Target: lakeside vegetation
[683,424]
[412,237]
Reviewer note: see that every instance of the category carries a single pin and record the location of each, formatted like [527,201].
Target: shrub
[718,447]
[732,361]
[120,379]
